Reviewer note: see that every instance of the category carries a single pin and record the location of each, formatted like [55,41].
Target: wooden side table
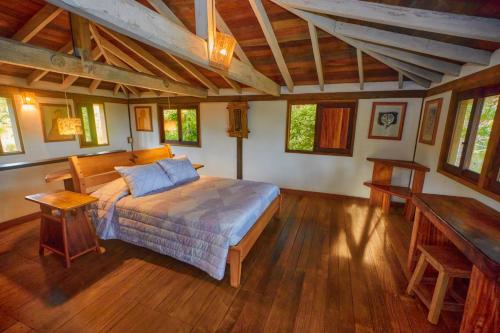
[65,228]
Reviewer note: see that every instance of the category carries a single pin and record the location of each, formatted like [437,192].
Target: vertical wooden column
[239,158]
[482,307]
[416,187]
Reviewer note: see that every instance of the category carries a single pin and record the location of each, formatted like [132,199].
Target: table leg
[482,306]
[65,239]
[40,247]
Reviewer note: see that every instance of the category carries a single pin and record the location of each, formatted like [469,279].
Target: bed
[206,223]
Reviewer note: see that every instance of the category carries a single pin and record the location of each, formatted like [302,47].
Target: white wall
[429,155]
[16,184]
[264,157]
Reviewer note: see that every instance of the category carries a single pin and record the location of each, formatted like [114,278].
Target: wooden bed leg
[278,211]
[235,262]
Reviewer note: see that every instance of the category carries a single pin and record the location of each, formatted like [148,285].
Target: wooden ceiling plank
[196,74]
[406,17]
[413,58]
[271,39]
[361,73]
[324,24]
[44,59]
[407,42]
[37,75]
[317,55]
[145,55]
[36,23]
[222,27]
[136,21]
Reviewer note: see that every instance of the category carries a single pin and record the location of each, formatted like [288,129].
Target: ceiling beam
[70,79]
[37,75]
[80,32]
[361,72]
[36,23]
[324,24]
[414,58]
[233,84]
[268,31]
[402,41]
[145,55]
[204,13]
[166,12]
[137,21]
[317,55]
[19,54]
[222,27]
[400,80]
[406,17]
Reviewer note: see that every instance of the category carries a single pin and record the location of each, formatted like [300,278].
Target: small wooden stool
[64,226]
[450,264]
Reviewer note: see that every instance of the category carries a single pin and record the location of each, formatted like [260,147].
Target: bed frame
[90,172]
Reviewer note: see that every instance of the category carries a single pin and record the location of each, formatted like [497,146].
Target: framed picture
[50,113]
[430,121]
[387,120]
[143,119]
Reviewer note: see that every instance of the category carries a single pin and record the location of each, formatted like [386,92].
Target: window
[321,128]
[470,145]
[179,125]
[94,127]
[10,136]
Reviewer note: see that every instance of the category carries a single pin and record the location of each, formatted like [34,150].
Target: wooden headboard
[92,171]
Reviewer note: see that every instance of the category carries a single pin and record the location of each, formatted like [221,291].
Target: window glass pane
[189,125]
[482,135]
[459,131]
[86,124]
[302,127]
[9,136]
[170,124]
[100,124]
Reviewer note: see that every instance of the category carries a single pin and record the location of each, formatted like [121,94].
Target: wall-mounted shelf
[382,190]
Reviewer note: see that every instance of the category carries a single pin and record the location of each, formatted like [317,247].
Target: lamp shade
[69,126]
[222,51]
[28,99]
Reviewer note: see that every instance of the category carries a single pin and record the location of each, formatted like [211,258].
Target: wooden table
[64,227]
[65,176]
[474,229]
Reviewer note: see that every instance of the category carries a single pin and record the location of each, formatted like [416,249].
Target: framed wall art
[387,120]
[430,121]
[50,113]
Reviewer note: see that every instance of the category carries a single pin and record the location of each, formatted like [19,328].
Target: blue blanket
[195,223]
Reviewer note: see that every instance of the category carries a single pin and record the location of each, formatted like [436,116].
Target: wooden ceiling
[339,60]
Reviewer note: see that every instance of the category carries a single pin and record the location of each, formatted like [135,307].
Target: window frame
[316,149]
[93,130]
[18,126]
[485,181]
[179,107]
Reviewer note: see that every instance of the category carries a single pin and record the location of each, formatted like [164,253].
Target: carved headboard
[92,171]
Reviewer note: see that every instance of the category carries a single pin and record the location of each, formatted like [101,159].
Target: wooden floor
[325,265]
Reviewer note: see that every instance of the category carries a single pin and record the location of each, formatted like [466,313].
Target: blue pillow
[179,170]
[145,179]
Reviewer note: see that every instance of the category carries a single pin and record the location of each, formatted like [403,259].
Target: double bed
[206,223]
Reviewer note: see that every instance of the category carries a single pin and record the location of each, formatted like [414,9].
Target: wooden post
[239,158]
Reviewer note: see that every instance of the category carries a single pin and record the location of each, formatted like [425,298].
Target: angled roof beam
[361,73]
[40,58]
[36,23]
[80,32]
[222,27]
[204,11]
[137,21]
[406,17]
[324,24]
[400,80]
[407,42]
[414,58]
[267,29]
[145,55]
[317,55]
[233,84]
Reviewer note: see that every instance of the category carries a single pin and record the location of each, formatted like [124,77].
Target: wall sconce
[69,126]
[28,100]
[222,51]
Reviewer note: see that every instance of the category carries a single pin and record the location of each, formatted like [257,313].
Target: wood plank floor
[327,265]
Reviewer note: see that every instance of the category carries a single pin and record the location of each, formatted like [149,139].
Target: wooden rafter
[36,23]
[222,27]
[44,59]
[268,31]
[80,32]
[137,21]
[204,12]
[317,55]
[400,80]
[402,41]
[413,18]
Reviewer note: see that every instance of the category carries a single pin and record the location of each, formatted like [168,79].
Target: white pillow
[145,179]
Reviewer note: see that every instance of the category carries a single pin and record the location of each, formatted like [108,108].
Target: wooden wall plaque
[238,119]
